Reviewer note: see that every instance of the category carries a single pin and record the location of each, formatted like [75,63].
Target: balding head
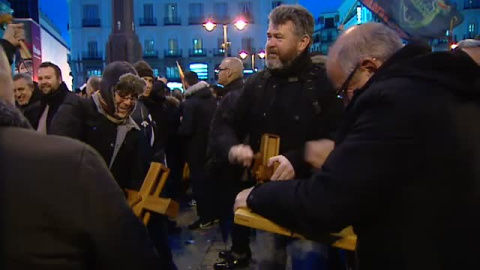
[359,52]
[93,84]
[472,48]
[230,69]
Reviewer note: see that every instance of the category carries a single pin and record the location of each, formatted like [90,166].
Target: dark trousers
[226,184]
[173,188]
[200,188]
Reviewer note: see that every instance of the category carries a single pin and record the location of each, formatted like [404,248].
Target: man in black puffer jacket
[293,99]
[198,111]
[405,168]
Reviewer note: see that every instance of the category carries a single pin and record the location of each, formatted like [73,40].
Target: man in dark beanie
[145,72]
[104,121]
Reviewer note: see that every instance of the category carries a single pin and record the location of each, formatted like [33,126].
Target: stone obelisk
[123,43]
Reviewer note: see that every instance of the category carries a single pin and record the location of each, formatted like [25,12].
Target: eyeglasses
[220,69]
[342,92]
[125,96]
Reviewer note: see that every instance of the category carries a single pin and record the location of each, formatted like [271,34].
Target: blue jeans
[275,249]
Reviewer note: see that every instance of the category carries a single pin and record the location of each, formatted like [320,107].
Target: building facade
[352,12]
[54,48]
[170,31]
[329,25]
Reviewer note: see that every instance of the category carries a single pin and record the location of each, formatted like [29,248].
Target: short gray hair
[24,76]
[373,40]
[301,18]
[469,43]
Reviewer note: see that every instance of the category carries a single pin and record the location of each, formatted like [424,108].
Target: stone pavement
[199,249]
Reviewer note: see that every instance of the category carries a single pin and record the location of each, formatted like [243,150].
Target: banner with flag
[416,18]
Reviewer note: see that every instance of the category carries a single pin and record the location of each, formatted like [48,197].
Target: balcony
[150,54]
[148,21]
[172,21]
[92,55]
[197,52]
[196,20]
[91,22]
[175,53]
[220,52]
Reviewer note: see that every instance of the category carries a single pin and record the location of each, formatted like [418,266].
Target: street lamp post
[243,55]
[239,24]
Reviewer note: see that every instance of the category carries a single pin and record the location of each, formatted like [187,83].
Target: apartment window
[247,44]
[90,11]
[196,13]
[276,4]
[156,72]
[197,45]
[148,11]
[90,16]
[173,44]
[149,45]
[329,23]
[472,30]
[221,12]
[92,47]
[94,72]
[171,11]
[469,4]
[246,9]
[172,72]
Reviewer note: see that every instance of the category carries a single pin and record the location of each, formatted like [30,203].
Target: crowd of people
[378,135]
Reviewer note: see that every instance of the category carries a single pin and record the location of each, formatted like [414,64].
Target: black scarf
[298,67]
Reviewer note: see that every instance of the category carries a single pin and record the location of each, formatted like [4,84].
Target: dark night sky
[57,11]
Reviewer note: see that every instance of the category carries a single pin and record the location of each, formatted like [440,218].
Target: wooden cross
[270,145]
[148,198]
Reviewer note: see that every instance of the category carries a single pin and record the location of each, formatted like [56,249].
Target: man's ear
[304,42]
[370,65]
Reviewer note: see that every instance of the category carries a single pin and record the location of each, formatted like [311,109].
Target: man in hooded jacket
[104,122]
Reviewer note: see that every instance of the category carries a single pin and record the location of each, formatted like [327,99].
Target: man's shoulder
[34,145]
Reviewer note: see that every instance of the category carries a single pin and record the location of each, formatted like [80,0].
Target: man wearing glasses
[104,122]
[404,171]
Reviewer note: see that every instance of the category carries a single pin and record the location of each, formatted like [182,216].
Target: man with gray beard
[292,98]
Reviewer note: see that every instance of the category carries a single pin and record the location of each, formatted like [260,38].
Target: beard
[278,61]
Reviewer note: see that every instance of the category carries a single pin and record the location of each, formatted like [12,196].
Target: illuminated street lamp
[261,54]
[243,55]
[240,24]
[209,25]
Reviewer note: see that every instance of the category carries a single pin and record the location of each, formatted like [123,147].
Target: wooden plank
[148,198]
[164,206]
[245,217]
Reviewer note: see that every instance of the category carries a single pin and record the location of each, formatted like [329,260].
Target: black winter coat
[404,171]
[278,103]
[198,110]
[80,119]
[54,101]
[61,208]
